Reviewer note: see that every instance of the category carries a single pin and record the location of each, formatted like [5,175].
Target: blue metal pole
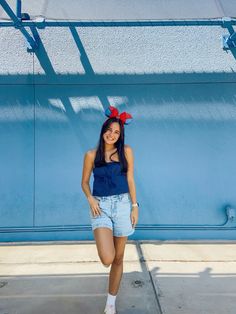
[18,9]
[18,24]
[175,23]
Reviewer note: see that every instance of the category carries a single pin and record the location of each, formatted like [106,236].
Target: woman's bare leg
[105,245]
[111,251]
[116,270]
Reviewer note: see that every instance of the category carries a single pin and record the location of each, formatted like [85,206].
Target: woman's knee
[107,260]
[106,265]
[118,259]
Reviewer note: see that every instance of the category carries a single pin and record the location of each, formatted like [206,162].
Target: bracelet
[135,205]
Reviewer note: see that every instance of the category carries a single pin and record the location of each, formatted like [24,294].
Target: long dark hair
[119,144]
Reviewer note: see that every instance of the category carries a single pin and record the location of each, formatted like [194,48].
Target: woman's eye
[110,131]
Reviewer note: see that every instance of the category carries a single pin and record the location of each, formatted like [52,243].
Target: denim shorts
[115,214]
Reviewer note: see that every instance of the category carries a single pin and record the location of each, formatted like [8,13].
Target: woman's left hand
[134,216]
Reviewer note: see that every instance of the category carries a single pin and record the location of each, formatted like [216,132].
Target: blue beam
[18,24]
[18,9]
[107,23]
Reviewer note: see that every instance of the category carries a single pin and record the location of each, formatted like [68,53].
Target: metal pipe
[18,9]
[63,23]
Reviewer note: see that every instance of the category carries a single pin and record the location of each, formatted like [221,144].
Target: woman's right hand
[94,206]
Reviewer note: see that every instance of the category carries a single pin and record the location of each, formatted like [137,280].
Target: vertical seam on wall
[34,145]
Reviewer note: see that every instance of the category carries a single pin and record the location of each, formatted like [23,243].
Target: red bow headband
[112,112]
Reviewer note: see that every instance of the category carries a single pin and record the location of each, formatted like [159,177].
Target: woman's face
[112,134]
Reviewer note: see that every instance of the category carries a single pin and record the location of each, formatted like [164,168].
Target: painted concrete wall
[179,85]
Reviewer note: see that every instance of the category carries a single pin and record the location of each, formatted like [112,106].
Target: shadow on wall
[182,136]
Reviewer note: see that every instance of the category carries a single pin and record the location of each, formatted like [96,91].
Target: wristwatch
[135,205]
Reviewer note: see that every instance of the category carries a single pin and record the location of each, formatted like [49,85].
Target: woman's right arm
[87,169]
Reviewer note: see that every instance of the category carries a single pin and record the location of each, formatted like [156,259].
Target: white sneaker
[110,309]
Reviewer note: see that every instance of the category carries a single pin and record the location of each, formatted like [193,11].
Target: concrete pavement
[159,277]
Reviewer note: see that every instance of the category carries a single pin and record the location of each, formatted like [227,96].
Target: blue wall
[183,135]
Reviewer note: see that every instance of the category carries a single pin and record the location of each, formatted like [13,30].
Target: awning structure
[87,13]
[127,10]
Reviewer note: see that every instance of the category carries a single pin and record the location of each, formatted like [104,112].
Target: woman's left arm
[131,183]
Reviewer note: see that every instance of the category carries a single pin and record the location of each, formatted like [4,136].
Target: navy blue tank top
[109,180]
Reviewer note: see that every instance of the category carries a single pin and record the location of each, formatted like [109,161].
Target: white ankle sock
[111,299]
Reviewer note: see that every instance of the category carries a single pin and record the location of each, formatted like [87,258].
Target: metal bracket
[32,42]
[231,215]
[228,41]
[21,16]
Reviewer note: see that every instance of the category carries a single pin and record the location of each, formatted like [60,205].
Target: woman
[113,205]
